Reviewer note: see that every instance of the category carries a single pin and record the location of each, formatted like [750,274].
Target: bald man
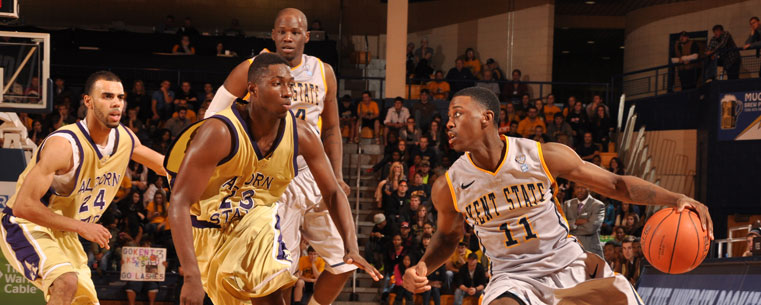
[314,101]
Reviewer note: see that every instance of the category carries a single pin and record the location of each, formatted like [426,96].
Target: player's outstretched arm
[331,129]
[55,157]
[310,147]
[235,86]
[207,148]
[562,161]
[148,157]
[444,241]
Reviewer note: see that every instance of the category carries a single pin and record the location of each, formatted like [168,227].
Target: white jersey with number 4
[515,215]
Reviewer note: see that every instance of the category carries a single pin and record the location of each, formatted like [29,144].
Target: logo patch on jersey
[464,186]
[521,159]
[524,168]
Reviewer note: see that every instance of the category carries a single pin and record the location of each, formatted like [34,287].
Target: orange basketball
[675,242]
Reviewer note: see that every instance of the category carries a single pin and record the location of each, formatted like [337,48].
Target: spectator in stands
[504,123]
[423,69]
[168,26]
[602,126]
[687,51]
[161,101]
[179,123]
[754,39]
[409,211]
[422,217]
[184,47]
[631,265]
[403,150]
[436,135]
[396,117]
[389,185]
[348,120]
[619,234]
[471,61]
[221,51]
[100,258]
[577,118]
[157,214]
[539,135]
[37,134]
[426,152]
[511,112]
[550,109]
[62,117]
[134,287]
[208,90]
[460,77]
[379,238]
[560,131]
[611,207]
[435,279]
[522,108]
[187,29]
[186,94]
[470,280]
[625,209]
[60,90]
[515,88]
[487,81]
[133,122]
[411,133]
[393,203]
[368,113]
[400,292]
[492,66]
[596,102]
[585,215]
[631,225]
[528,125]
[569,105]
[752,233]
[393,256]
[588,150]
[438,87]
[723,52]
[457,261]
[539,105]
[138,98]
[424,110]
[514,130]
[408,240]
[419,187]
[310,267]
[410,59]
[234,29]
[423,49]
[616,166]
[133,215]
[611,256]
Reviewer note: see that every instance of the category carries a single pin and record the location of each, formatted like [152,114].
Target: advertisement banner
[143,264]
[715,284]
[740,116]
[15,288]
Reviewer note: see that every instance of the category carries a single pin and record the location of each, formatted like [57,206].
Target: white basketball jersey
[515,215]
[308,99]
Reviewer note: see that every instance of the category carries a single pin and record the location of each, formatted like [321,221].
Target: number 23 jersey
[515,215]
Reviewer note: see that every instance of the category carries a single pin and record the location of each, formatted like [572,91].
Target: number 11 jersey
[515,215]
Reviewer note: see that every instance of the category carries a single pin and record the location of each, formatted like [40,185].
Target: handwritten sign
[143,264]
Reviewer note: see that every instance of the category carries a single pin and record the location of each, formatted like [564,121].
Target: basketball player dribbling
[231,170]
[314,100]
[503,187]
[71,180]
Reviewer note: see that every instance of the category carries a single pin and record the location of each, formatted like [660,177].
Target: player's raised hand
[192,292]
[701,209]
[416,279]
[359,261]
[95,233]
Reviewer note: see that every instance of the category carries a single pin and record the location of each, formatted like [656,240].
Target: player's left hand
[345,187]
[701,209]
[355,259]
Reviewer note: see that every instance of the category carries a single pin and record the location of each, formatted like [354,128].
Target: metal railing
[722,244]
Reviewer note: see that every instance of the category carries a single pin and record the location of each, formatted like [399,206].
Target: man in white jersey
[314,100]
[503,187]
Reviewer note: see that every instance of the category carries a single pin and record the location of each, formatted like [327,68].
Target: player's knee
[300,283]
[66,283]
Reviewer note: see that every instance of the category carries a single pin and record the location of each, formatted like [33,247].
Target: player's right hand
[415,279]
[95,233]
[192,292]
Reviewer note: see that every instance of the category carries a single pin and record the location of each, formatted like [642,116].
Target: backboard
[25,66]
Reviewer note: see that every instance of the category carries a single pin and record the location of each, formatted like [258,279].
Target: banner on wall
[740,116]
[143,264]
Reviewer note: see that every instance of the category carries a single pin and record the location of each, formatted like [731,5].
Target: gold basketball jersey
[244,179]
[97,177]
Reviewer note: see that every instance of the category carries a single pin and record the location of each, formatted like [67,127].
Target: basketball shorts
[243,260]
[588,280]
[305,215]
[42,255]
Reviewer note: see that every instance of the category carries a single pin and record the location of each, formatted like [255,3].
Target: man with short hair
[396,116]
[393,204]
[310,267]
[528,125]
[438,87]
[186,93]
[632,265]
[611,256]
[752,234]
[423,50]
[723,52]
[424,110]
[488,82]
[379,238]
[585,214]
[179,123]
[368,113]
[411,133]
[426,152]
[161,101]
[460,77]
[560,131]
[687,51]
[492,65]
[754,39]
[514,89]
[470,281]
[588,150]
[409,210]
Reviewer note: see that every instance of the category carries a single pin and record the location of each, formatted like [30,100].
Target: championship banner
[15,288]
[143,264]
[740,116]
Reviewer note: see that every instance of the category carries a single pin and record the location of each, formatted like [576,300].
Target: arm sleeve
[222,99]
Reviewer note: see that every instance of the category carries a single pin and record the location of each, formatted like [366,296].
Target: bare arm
[564,162]
[443,242]
[335,199]
[331,130]
[209,146]
[55,157]
[148,157]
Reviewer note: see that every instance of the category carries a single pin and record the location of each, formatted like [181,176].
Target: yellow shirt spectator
[459,258]
[549,112]
[527,126]
[305,265]
[474,65]
[439,89]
